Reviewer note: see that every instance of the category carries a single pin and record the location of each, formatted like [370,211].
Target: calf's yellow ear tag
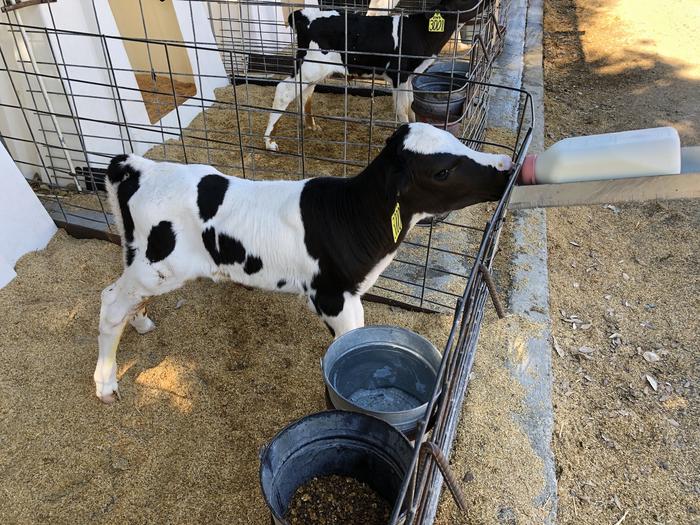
[396,225]
[436,24]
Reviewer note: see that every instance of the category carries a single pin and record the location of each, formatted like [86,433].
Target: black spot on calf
[161,241]
[209,240]
[128,180]
[211,191]
[253,265]
[329,304]
[281,283]
[330,328]
[116,171]
[231,250]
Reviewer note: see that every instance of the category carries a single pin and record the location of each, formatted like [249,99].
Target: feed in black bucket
[337,500]
[346,444]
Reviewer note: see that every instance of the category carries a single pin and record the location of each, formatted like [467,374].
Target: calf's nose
[504,163]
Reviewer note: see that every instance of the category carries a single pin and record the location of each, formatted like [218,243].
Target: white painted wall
[87,67]
[24,224]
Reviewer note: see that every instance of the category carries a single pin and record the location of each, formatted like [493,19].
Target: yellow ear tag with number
[396,225]
[436,24]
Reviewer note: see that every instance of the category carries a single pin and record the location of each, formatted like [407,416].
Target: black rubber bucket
[441,94]
[333,442]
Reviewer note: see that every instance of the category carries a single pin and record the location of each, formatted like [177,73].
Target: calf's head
[432,172]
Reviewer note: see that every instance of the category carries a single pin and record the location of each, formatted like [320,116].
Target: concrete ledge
[530,292]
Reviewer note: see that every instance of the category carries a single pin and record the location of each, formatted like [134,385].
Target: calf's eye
[441,175]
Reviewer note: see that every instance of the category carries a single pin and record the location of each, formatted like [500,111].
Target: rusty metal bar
[493,292]
[431,448]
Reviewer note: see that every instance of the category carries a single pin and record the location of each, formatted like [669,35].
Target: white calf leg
[141,322]
[350,317]
[285,92]
[318,65]
[409,102]
[402,102]
[119,302]
[380,7]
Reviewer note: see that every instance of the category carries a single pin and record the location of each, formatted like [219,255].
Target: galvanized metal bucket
[333,442]
[384,371]
[441,94]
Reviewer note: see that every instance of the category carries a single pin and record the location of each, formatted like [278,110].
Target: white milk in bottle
[637,153]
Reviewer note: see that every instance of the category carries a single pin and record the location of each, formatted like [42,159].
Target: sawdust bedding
[490,441]
[216,380]
[229,135]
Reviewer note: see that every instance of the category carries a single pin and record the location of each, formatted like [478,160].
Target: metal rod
[47,99]
[431,448]
[493,292]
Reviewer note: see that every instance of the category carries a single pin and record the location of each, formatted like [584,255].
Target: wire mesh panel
[197,82]
[420,492]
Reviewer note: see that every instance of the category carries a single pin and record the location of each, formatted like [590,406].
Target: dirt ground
[224,371]
[624,279]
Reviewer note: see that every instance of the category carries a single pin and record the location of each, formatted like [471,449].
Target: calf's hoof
[108,393]
[313,127]
[270,145]
[143,325]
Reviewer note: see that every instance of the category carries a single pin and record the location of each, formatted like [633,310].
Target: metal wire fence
[421,488]
[80,86]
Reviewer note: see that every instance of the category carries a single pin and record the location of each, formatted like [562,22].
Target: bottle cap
[527,172]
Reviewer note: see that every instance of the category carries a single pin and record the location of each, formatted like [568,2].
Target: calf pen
[182,81]
[80,85]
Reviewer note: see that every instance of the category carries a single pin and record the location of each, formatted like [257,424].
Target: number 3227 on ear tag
[436,23]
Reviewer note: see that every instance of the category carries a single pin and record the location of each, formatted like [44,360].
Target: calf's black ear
[399,176]
[398,135]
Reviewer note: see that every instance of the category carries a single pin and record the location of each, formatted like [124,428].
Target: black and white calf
[394,47]
[326,238]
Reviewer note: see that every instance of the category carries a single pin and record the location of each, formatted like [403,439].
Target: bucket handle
[431,448]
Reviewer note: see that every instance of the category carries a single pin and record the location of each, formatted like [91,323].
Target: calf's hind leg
[309,120]
[288,90]
[120,301]
[285,92]
[403,98]
[141,322]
